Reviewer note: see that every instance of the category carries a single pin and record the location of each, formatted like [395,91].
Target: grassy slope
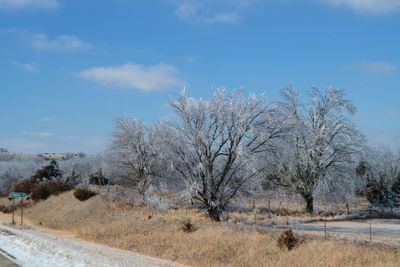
[158,234]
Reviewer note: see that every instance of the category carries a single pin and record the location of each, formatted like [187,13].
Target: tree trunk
[309,203]
[215,213]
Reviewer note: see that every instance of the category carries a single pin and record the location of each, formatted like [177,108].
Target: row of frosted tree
[233,144]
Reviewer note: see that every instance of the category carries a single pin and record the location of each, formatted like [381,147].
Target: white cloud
[29,67]
[62,42]
[375,68]
[39,134]
[376,7]
[135,76]
[211,11]
[18,4]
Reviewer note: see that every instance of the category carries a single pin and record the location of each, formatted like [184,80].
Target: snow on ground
[36,248]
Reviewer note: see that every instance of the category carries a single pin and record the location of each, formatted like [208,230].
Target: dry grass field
[159,234]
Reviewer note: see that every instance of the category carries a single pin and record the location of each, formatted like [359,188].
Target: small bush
[44,183]
[7,208]
[287,240]
[83,194]
[43,190]
[188,226]
[40,191]
[25,186]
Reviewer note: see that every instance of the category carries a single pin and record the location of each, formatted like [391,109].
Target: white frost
[35,248]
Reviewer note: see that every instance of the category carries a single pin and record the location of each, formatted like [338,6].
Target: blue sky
[68,68]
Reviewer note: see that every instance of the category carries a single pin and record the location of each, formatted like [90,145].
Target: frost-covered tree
[13,171]
[77,170]
[381,170]
[134,157]
[49,172]
[322,146]
[8,156]
[215,144]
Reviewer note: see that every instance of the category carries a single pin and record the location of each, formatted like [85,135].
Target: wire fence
[385,231]
[376,231]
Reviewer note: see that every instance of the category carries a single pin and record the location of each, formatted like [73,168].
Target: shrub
[7,208]
[188,226]
[382,193]
[287,240]
[43,190]
[44,183]
[57,186]
[40,191]
[49,172]
[83,194]
[25,186]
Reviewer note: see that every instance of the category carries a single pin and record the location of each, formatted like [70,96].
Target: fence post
[13,211]
[325,228]
[254,210]
[22,211]
[370,232]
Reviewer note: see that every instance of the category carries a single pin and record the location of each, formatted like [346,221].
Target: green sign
[17,195]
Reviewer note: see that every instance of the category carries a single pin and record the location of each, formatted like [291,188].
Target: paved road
[378,227]
[4,261]
[381,229]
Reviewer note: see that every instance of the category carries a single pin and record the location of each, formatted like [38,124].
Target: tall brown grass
[159,234]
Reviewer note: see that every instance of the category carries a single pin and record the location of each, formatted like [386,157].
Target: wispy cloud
[62,42]
[19,4]
[40,41]
[376,67]
[38,134]
[136,76]
[28,67]
[211,11]
[376,7]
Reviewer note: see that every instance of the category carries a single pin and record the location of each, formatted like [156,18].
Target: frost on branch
[215,144]
[380,169]
[322,146]
[133,156]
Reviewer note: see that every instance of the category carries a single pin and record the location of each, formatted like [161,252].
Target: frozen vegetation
[215,151]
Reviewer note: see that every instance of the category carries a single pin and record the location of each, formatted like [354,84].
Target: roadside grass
[159,234]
